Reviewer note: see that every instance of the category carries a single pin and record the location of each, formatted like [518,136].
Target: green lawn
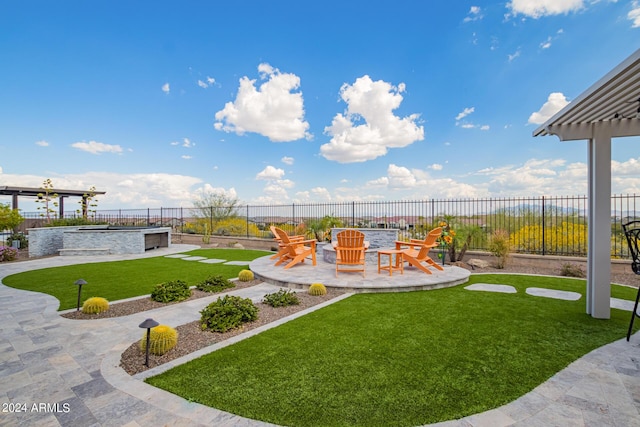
[124,279]
[400,359]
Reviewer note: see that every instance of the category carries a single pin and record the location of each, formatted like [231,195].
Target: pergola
[608,109]
[15,192]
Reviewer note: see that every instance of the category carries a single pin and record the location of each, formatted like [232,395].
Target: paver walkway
[68,369]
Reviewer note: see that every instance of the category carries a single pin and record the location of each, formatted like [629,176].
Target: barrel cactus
[245,275]
[317,289]
[162,339]
[95,305]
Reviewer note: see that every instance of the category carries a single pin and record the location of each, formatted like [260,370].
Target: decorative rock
[238,246]
[478,263]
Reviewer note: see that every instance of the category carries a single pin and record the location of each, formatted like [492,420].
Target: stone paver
[553,293]
[69,370]
[489,287]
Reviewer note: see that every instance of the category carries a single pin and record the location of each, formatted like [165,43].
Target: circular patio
[301,275]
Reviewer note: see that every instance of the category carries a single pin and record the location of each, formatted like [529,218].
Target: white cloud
[555,102]
[186,142]
[270,173]
[464,113]
[94,147]
[186,157]
[537,8]
[372,103]
[485,127]
[546,44]
[42,143]
[475,14]
[400,177]
[165,88]
[272,110]
[514,55]
[209,81]
[436,167]
[634,14]
[287,160]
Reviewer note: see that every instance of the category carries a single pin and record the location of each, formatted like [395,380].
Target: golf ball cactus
[245,275]
[317,289]
[95,305]
[162,339]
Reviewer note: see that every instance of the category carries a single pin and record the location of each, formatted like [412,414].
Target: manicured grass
[399,359]
[125,279]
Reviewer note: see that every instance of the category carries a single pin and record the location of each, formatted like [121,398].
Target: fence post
[148,217]
[543,227]
[247,220]
[353,213]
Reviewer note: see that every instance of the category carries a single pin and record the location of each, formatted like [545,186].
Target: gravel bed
[192,338]
[143,304]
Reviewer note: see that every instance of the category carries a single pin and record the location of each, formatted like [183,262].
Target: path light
[148,324]
[79,282]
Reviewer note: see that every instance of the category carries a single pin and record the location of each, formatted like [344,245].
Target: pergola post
[599,223]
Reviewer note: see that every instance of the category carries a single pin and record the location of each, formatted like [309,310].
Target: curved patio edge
[302,275]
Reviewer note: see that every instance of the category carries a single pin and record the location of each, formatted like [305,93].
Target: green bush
[228,313]
[174,290]
[572,270]
[282,298]
[215,284]
[24,242]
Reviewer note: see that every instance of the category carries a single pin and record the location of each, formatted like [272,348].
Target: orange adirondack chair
[350,251]
[296,251]
[282,249]
[418,251]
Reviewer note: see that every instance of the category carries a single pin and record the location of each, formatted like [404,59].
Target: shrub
[7,253]
[282,298]
[245,275]
[572,270]
[175,290]
[95,305]
[499,247]
[227,313]
[162,338]
[215,284]
[317,289]
[24,242]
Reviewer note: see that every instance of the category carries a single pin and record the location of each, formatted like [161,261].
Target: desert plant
[174,290]
[572,270]
[317,289]
[282,298]
[95,305]
[162,338]
[499,247]
[245,275]
[227,313]
[215,284]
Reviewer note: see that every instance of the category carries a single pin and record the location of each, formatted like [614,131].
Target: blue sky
[157,103]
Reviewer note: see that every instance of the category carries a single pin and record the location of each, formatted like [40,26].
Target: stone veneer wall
[377,237]
[47,240]
[50,240]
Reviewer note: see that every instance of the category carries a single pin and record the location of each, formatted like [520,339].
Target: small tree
[88,203]
[9,218]
[213,207]
[47,198]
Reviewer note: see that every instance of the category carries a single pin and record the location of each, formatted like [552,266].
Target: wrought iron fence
[539,225]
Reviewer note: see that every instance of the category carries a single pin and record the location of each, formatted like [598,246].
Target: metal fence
[538,225]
